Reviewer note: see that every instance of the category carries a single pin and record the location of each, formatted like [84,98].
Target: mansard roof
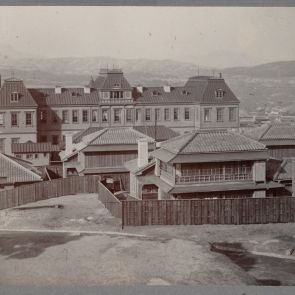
[111,79]
[13,85]
[198,89]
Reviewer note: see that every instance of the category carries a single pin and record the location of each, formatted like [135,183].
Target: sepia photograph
[147,146]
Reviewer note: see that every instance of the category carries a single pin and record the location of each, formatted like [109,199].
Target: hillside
[271,84]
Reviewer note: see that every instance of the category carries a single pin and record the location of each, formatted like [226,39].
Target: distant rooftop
[272,131]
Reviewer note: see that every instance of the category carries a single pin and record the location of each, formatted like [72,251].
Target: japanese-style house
[279,138]
[103,151]
[202,164]
[15,172]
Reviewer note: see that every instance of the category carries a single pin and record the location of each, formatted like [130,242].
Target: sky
[214,37]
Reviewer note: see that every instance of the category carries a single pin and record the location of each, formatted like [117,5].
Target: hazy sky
[205,36]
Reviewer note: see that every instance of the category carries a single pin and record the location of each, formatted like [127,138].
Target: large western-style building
[202,164]
[18,114]
[49,114]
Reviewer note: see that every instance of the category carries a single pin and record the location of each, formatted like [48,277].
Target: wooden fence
[109,201]
[48,189]
[215,211]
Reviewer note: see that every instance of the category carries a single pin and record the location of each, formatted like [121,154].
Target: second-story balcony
[215,175]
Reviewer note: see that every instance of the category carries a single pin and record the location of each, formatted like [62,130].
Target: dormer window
[74,94]
[14,97]
[156,93]
[116,85]
[185,92]
[219,93]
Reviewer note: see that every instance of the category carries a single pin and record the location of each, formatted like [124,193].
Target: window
[219,114]
[65,117]
[137,115]
[54,115]
[157,114]
[219,93]
[186,114]
[14,119]
[29,156]
[105,115]
[176,114]
[116,94]
[43,138]
[14,97]
[85,116]
[2,145]
[232,114]
[15,140]
[75,115]
[117,115]
[155,93]
[94,116]
[44,154]
[54,139]
[43,116]
[167,114]
[2,119]
[29,121]
[147,114]
[36,156]
[128,115]
[18,156]
[116,85]
[207,115]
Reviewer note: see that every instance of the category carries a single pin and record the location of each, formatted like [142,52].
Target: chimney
[167,88]
[57,89]
[143,152]
[8,147]
[69,144]
[87,90]
[139,89]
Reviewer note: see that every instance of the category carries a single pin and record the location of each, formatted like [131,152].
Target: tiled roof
[15,85]
[162,133]
[274,131]
[211,142]
[34,147]
[159,133]
[15,170]
[68,96]
[118,136]
[77,137]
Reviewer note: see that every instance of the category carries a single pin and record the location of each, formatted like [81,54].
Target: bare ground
[166,255]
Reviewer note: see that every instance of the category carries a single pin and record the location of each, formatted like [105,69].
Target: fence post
[122,206]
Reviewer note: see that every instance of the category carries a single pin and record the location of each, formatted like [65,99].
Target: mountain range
[269,84]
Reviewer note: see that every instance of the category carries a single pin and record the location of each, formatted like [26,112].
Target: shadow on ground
[28,245]
[244,259]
